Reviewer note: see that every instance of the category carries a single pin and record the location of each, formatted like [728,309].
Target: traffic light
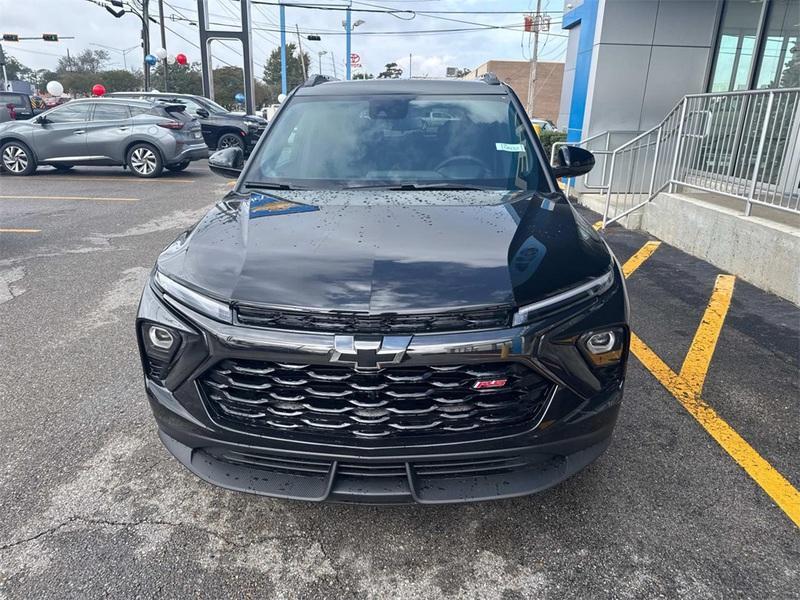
[313,37]
[10,37]
[50,37]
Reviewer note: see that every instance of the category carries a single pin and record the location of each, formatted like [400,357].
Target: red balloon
[98,89]
[181,59]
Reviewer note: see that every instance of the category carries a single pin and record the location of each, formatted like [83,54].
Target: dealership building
[630,61]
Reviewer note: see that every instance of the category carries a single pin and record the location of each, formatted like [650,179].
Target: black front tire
[17,159]
[179,167]
[145,161]
[230,140]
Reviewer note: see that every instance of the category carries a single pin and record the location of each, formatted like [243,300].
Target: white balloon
[171,59]
[160,53]
[281,98]
[54,88]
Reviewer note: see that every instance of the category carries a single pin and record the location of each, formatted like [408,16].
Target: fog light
[600,343]
[160,338]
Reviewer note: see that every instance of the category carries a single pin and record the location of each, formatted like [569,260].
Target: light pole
[348,27]
[320,54]
[123,51]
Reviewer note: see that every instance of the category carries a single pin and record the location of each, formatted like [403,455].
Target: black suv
[221,127]
[389,307]
[18,106]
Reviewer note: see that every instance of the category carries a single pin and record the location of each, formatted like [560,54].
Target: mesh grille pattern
[394,402]
[353,322]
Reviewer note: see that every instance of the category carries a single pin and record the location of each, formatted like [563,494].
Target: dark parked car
[19,107]
[143,136]
[387,309]
[221,128]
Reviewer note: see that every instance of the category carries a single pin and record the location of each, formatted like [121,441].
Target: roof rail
[317,79]
[490,78]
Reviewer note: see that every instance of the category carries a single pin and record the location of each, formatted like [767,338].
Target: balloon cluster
[239,97]
[161,54]
[98,89]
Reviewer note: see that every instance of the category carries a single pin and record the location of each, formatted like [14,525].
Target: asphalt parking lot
[696,497]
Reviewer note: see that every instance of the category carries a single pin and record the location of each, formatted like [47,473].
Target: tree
[229,81]
[791,70]
[363,76]
[181,79]
[294,71]
[391,71]
[119,80]
[16,70]
[87,61]
[461,73]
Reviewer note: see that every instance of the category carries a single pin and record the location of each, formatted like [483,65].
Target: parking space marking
[641,255]
[19,230]
[597,225]
[695,365]
[100,199]
[782,492]
[64,178]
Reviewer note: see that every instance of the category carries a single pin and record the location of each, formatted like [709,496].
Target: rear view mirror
[227,162]
[202,112]
[572,161]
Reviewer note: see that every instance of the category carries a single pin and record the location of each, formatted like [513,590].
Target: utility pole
[333,62]
[146,42]
[320,54]
[349,28]
[537,23]
[6,85]
[163,39]
[300,47]
[283,47]
[409,65]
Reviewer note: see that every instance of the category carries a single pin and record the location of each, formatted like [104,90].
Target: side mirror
[227,162]
[41,120]
[202,112]
[572,161]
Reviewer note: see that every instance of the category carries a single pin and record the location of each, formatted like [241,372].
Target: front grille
[458,467]
[270,397]
[355,322]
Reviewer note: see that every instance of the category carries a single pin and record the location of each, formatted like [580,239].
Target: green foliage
[548,138]
[86,61]
[363,76]
[181,79]
[229,81]
[272,73]
[16,70]
[391,71]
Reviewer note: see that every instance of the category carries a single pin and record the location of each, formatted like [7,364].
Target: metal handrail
[738,144]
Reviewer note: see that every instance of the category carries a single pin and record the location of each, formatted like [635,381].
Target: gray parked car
[143,136]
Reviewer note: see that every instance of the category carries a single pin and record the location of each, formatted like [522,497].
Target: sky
[411,33]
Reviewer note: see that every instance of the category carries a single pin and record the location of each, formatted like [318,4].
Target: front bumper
[574,429]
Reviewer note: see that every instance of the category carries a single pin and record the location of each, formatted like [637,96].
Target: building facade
[630,61]
[516,73]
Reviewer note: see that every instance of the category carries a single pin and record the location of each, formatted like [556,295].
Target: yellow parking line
[642,254]
[687,393]
[695,365]
[19,230]
[597,225]
[98,198]
[763,473]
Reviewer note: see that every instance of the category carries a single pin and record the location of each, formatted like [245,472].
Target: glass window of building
[780,57]
[736,47]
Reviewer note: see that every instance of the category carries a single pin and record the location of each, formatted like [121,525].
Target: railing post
[759,153]
[678,147]
[608,193]
[655,163]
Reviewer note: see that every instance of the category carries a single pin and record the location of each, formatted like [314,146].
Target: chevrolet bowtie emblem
[369,353]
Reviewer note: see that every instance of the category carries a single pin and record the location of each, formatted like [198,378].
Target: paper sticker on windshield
[267,206]
[509,147]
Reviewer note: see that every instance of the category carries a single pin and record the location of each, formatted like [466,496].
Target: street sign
[355,60]
[537,22]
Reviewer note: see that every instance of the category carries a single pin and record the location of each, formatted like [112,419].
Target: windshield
[212,106]
[398,140]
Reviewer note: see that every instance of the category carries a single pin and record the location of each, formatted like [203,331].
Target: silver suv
[143,136]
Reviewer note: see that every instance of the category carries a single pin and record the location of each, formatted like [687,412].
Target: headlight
[202,304]
[587,290]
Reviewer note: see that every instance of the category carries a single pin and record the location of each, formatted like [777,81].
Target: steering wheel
[461,158]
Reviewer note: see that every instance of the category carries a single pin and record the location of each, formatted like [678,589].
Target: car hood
[390,251]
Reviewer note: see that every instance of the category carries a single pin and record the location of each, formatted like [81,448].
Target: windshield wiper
[417,186]
[270,185]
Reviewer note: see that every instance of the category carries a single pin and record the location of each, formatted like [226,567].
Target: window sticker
[267,206]
[503,147]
